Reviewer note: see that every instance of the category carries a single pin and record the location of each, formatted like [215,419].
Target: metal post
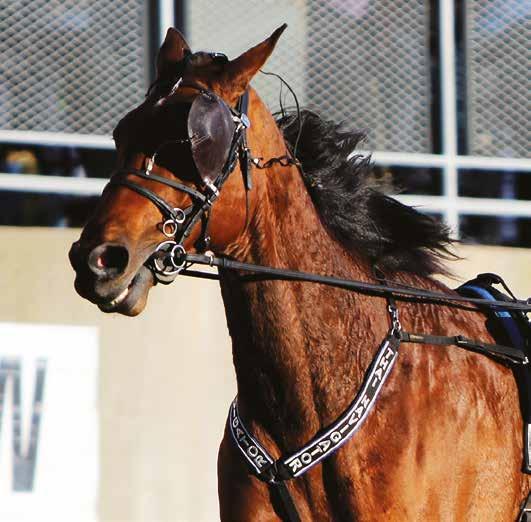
[449,111]
[166,17]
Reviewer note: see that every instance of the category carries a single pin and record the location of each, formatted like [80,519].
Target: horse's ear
[242,69]
[173,50]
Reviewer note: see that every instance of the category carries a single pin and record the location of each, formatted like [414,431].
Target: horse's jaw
[133,298]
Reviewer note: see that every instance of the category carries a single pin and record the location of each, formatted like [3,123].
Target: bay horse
[444,439]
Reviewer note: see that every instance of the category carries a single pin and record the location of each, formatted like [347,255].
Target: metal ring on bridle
[170,226]
[167,247]
[181,255]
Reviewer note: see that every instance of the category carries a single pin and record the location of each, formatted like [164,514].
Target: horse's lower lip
[131,300]
[110,306]
[116,301]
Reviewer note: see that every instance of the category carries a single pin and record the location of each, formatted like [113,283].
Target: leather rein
[170,259]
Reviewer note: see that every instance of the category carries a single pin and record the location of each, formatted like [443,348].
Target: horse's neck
[299,348]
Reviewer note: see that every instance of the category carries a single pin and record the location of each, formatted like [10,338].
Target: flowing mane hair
[354,204]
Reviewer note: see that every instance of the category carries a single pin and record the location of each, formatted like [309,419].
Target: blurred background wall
[127,428]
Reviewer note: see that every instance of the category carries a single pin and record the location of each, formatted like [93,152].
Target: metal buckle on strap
[149,165]
[395,320]
[212,192]
[461,341]
[211,257]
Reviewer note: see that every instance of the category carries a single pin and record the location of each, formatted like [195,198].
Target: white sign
[48,423]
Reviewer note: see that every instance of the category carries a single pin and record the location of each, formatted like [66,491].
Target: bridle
[214,159]
[170,258]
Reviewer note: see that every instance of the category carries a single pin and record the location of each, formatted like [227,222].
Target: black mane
[354,205]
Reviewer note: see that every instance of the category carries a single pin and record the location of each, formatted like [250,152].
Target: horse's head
[175,151]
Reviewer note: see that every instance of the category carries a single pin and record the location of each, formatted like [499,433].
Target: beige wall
[166,377]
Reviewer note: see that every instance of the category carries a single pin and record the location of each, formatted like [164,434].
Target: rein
[188,260]
[275,472]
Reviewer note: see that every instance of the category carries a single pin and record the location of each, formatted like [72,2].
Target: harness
[217,139]
[216,136]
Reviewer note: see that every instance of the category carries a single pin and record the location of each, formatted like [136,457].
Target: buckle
[212,192]
[395,320]
[460,340]
[246,122]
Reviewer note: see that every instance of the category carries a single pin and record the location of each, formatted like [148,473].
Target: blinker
[219,57]
[211,129]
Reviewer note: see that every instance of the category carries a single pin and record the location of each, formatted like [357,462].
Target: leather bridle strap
[506,353]
[245,162]
[195,194]
[360,286]
[166,209]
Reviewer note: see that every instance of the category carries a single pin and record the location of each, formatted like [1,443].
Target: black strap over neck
[245,160]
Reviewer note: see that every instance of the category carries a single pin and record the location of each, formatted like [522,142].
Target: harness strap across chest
[329,440]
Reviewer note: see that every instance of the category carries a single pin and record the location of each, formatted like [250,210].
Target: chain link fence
[72,66]
[363,62]
[77,66]
[498,65]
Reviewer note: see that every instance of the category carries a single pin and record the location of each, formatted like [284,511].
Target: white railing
[59,139]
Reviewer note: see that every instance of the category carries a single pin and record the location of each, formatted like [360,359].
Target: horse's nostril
[108,259]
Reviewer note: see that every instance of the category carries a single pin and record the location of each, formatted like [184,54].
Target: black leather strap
[245,160]
[360,286]
[166,209]
[499,351]
[165,181]
[288,510]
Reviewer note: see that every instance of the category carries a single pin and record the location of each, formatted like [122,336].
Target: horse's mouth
[132,299]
